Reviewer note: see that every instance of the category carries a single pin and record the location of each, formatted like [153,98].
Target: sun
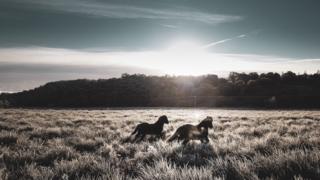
[181,57]
[184,57]
[185,46]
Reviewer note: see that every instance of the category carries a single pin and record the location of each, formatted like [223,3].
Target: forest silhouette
[266,90]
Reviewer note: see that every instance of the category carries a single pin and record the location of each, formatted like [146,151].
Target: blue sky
[42,40]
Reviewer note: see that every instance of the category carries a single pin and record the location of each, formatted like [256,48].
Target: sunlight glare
[184,46]
[182,58]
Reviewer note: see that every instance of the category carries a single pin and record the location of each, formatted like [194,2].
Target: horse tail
[136,130]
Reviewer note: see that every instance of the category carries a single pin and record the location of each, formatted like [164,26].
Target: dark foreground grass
[81,144]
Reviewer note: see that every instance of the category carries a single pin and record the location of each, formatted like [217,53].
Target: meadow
[92,144]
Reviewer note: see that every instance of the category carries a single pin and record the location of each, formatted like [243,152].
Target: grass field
[90,144]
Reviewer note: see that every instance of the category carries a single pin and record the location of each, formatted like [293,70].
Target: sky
[46,40]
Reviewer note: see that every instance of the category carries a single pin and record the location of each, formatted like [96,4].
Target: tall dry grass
[91,144]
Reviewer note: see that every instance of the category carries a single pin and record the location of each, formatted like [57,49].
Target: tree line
[286,90]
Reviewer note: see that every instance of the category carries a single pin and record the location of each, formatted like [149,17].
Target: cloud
[22,76]
[216,43]
[25,68]
[255,32]
[152,60]
[6,92]
[169,26]
[223,41]
[242,36]
[100,9]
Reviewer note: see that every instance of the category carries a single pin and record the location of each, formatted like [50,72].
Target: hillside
[238,90]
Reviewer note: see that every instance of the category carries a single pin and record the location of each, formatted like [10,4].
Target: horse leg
[204,140]
[141,137]
[163,135]
[207,140]
[137,137]
[185,141]
[180,139]
[158,136]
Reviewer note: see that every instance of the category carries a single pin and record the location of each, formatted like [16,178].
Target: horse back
[150,128]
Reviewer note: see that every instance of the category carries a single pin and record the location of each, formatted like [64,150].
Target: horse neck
[159,123]
[201,125]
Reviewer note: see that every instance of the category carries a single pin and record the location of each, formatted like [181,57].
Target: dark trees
[138,90]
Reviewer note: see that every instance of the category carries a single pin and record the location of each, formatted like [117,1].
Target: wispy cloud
[102,9]
[299,61]
[23,68]
[161,59]
[6,92]
[242,36]
[216,43]
[169,26]
[223,41]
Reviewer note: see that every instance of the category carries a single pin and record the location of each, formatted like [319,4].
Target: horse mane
[161,120]
[207,122]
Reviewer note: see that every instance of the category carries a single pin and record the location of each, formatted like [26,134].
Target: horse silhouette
[189,132]
[144,129]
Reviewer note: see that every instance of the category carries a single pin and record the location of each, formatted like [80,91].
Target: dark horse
[189,132]
[144,129]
